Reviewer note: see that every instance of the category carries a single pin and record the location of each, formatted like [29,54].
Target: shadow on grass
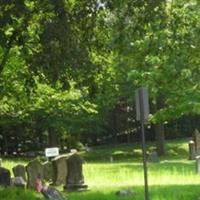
[164,192]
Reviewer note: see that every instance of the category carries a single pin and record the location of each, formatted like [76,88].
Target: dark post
[142,112]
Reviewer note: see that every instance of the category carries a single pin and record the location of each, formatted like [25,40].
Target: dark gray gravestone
[34,169]
[59,170]
[153,157]
[48,171]
[52,194]
[192,151]
[74,179]
[19,171]
[5,178]
[197,141]
[18,182]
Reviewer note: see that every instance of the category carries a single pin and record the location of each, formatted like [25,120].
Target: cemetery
[100,100]
[77,175]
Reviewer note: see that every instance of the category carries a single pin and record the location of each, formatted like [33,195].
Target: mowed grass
[172,178]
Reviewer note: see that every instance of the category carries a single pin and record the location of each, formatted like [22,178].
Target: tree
[155,43]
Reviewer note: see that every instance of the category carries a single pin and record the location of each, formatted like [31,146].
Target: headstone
[198,164]
[153,157]
[19,171]
[48,171]
[59,170]
[197,141]
[5,178]
[34,169]
[192,151]
[52,194]
[0,162]
[125,193]
[18,182]
[111,159]
[74,179]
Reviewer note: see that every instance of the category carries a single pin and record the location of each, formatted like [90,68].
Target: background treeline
[69,69]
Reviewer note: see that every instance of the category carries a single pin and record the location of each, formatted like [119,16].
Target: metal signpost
[142,112]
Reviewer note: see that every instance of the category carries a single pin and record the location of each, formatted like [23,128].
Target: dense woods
[69,70]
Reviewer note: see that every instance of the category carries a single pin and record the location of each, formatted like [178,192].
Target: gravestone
[192,151]
[153,156]
[198,164]
[74,179]
[59,170]
[5,177]
[125,193]
[197,141]
[48,171]
[34,169]
[19,171]
[0,162]
[18,182]
[52,194]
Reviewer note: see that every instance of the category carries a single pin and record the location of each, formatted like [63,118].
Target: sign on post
[142,113]
[142,104]
[51,152]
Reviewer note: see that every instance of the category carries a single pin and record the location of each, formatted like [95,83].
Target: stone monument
[19,171]
[48,171]
[34,169]
[59,170]
[5,177]
[197,141]
[74,179]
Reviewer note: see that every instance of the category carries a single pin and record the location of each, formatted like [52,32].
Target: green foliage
[158,49]
[17,193]
[67,65]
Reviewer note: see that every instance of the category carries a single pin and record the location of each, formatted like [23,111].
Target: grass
[173,178]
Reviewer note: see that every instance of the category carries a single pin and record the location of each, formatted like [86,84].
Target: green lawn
[173,178]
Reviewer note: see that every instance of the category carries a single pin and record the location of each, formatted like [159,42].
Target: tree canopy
[71,67]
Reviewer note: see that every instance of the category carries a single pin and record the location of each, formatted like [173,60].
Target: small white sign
[52,152]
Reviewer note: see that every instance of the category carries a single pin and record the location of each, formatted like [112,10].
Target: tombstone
[192,151]
[18,182]
[198,164]
[48,171]
[5,177]
[125,193]
[74,179]
[59,170]
[19,171]
[153,156]
[52,194]
[0,162]
[197,141]
[34,169]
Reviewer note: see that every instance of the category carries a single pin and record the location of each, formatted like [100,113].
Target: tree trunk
[160,138]
[52,138]
[159,131]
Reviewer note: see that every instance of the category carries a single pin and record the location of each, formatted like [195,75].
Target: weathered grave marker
[48,170]
[192,151]
[5,177]
[75,178]
[153,157]
[198,164]
[197,141]
[59,170]
[19,171]
[34,168]
[18,182]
